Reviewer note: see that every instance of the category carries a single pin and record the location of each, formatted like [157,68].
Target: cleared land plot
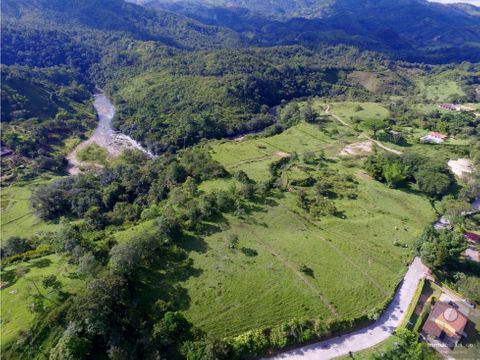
[439,88]
[17,295]
[300,138]
[356,261]
[362,110]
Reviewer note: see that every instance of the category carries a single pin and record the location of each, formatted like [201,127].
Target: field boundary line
[299,274]
[340,252]
[18,218]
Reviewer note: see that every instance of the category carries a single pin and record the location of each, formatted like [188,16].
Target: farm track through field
[340,252]
[298,273]
[266,157]
[249,161]
[274,146]
[310,135]
[18,218]
[378,143]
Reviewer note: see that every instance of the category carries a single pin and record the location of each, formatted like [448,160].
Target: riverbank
[104,135]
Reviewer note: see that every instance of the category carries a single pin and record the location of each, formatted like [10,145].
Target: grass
[355,263]
[94,153]
[438,89]
[413,305]
[17,217]
[377,349]
[17,296]
[362,110]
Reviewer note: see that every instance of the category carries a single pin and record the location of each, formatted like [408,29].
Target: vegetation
[94,154]
[41,108]
[285,197]
[407,347]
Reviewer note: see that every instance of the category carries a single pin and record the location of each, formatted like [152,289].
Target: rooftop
[446,318]
[472,236]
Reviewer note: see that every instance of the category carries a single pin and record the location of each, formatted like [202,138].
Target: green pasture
[438,89]
[356,259]
[363,110]
[17,217]
[20,285]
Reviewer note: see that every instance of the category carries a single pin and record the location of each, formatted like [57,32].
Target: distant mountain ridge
[410,29]
[310,9]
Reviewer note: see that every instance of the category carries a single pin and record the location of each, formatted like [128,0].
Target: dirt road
[378,143]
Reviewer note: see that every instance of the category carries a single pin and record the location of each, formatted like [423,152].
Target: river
[113,141]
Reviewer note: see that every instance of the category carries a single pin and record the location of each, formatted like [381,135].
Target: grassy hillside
[347,254]
[18,218]
[18,296]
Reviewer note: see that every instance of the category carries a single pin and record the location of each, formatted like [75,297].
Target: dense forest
[41,108]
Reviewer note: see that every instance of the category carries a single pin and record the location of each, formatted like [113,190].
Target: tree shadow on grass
[10,277]
[162,280]
[252,207]
[40,263]
[208,229]
[190,243]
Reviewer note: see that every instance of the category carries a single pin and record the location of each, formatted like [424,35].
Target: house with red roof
[446,323]
[435,137]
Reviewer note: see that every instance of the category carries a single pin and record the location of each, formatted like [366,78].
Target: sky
[473,2]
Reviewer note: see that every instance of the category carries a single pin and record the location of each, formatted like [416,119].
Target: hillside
[226,180]
[41,26]
[41,108]
[410,29]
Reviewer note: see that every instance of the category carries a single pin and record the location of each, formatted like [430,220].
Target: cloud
[473,2]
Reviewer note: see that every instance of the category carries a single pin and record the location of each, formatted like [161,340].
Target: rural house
[446,323]
[471,236]
[448,106]
[435,137]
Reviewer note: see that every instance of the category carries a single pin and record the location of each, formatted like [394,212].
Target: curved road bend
[373,334]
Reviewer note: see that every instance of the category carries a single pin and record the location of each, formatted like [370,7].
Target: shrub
[40,251]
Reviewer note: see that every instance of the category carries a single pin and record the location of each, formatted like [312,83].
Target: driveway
[372,335]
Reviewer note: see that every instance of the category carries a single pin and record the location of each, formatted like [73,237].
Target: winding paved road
[372,335]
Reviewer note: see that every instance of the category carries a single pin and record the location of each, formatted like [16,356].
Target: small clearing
[281,154]
[472,254]
[461,167]
[359,148]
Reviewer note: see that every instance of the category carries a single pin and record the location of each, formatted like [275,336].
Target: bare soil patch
[281,154]
[461,167]
[359,148]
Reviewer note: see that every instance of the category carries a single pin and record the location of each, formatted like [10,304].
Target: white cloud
[473,2]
